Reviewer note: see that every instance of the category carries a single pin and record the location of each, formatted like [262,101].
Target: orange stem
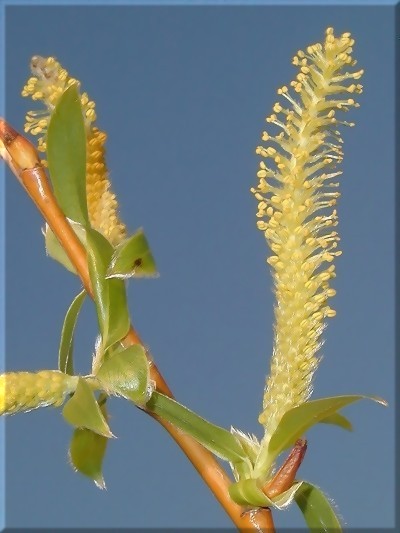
[24,162]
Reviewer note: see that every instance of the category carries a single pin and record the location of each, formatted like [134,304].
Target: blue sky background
[182,93]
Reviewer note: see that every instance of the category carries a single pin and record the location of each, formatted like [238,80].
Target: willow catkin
[296,197]
[47,84]
[24,391]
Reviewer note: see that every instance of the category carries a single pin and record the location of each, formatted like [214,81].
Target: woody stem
[23,160]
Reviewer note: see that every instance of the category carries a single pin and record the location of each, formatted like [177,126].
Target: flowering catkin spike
[47,84]
[296,213]
[24,391]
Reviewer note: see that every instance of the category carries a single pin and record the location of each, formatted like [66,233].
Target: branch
[24,161]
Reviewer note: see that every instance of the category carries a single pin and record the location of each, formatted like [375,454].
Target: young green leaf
[65,352]
[109,294]
[132,258]
[83,411]
[248,492]
[54,248]
[87,450]
[298,420]
[216,439]
[66,155]
[249,443]
[337,419]
[317,510]
[127,374]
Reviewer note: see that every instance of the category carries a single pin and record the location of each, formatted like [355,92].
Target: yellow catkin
[296,197]
[24,391]
[47,84]
[102,202]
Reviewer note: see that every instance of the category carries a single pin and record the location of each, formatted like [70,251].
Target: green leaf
[338,419]
[127,374]
[248,492]
[87,450]
[316,508]
[132,258]
[82,411]
[249,443]
[65,352]
[54,248]
[216,439]
[66,155]
[109,294]
[298,420]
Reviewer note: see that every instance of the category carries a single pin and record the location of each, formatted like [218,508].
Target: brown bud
[285,476]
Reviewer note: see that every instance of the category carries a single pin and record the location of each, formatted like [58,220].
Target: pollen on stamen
[298,207]
[48,83]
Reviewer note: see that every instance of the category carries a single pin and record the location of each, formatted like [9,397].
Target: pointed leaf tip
[86,454]
[379,400]
[296,421]
[83,411]
[87,450]
[133,258]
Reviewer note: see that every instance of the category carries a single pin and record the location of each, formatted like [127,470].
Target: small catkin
[47,84]
[24,391]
